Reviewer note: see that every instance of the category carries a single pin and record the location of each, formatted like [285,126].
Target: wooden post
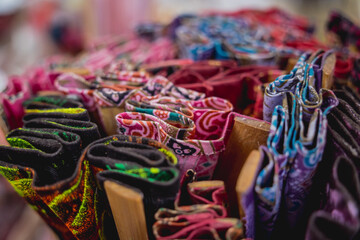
[246,178]
[247,135]
[128,210]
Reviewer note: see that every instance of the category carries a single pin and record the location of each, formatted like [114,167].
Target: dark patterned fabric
[44,165]
[142,164]
[339,218]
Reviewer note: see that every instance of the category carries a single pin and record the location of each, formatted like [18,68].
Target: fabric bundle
[339,217]
[42,164]
[242,86]
[294,148]
[199,213]
[105,99]
[182,109]
[192,129]
[338,174]
[137,163]
[246,36]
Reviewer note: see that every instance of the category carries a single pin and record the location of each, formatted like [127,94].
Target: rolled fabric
[346,30]
[208,115]
[199,213]
[343,129]
[70,83]
[339,217]
[142,164]
[55,115]
[50,102]
[295,146]
[12,99]
[198,148]
[308,141]
[194,44]
[343,132]
[67,113]
[59,185]
[227,81]
[323,226]
[208,192]
[204,69]
[342,138]
[44,167]
[156,86]
[122,77]
[247,53]
[266,197]
[109,100]
[218,228]
[355,73]
[306,81]
[296,143]
[87,131]
[274,93]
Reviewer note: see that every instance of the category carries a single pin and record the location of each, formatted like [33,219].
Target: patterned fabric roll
[199,213]
[43,166]
[141,164]
[339,217]
[194,130]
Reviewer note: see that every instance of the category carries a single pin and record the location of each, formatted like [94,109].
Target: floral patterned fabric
[194,130]
[294,149]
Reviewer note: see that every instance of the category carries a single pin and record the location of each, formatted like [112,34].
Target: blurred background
[30,30]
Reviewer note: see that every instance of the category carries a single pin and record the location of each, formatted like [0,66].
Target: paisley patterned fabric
[188,134]
[156,86]
[71,83]
[294,149]
[208,115]
[101,96]
[239,85]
